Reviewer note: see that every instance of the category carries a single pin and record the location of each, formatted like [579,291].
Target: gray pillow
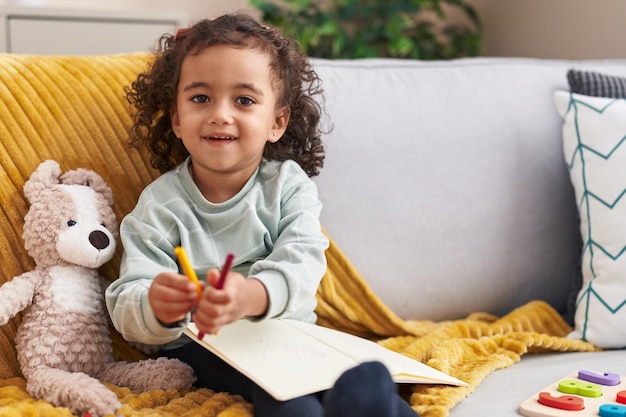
[596,84]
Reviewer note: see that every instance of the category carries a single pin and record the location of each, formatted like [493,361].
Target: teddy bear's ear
[89,178]
[45,176]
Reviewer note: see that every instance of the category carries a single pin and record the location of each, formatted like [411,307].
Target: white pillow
[594,132]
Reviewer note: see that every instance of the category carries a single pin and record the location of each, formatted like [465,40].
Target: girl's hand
[171,297]
[240,297]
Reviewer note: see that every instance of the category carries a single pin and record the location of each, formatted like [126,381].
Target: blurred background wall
[569,29]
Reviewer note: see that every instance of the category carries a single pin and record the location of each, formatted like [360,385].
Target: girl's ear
[281,120]
[175,121]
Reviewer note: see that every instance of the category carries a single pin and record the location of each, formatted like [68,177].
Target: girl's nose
[220,114]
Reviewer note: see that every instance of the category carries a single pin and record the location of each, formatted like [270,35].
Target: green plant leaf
[369,28]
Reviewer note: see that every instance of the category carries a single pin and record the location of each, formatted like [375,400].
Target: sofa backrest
[445,182]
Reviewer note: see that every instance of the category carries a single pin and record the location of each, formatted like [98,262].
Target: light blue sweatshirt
[272,226]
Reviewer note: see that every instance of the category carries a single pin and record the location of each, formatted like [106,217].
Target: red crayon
[220,284]
[225,270]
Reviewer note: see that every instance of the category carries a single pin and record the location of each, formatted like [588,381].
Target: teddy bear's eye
[71,223]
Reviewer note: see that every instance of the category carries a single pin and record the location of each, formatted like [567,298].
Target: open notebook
[290,358]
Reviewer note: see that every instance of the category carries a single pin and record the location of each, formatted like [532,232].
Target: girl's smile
[217,138]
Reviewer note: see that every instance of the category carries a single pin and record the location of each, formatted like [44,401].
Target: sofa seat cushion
[505,390]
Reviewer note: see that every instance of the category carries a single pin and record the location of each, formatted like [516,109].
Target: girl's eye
[244,101]
[200,99]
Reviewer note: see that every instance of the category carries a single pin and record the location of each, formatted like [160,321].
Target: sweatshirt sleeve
[296,264]
[147,252]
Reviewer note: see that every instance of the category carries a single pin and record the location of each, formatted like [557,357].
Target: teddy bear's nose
[98,239]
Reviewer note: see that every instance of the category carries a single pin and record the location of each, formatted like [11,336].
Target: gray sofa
[445,184]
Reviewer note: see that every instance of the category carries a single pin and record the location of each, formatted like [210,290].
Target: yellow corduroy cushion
[73,110]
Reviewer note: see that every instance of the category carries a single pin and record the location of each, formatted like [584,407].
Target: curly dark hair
[153,93]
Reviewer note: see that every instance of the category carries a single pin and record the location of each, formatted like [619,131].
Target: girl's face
[226,111]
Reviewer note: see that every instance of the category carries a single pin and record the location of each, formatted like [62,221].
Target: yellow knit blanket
[469,349]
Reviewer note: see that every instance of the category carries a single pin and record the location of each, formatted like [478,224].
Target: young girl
[227,110]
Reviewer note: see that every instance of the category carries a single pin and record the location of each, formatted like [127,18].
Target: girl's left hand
[240,297]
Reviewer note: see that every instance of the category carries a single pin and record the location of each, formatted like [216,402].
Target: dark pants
[366,390]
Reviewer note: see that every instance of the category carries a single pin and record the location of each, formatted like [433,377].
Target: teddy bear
[63,342]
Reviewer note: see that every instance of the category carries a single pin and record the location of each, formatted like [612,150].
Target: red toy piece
[564,402]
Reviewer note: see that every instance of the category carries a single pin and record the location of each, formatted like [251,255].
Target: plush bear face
[70,222]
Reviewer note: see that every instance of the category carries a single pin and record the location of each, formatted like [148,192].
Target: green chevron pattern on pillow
[594,132]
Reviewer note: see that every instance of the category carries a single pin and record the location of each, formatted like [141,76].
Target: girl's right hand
[171,297]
